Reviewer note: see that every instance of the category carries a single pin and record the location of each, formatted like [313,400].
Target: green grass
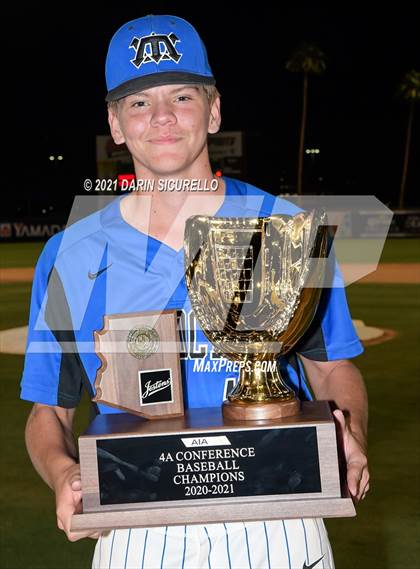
[394,251]
[29,536]
[19,254]
[15,299]
[370,250]
[401,251]
[384,535]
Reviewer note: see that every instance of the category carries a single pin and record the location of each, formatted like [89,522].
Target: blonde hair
[210,91]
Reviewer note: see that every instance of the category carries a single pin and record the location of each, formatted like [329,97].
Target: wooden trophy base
[205,468]
[200,513]
[237,411]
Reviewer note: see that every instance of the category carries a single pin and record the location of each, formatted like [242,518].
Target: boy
[128,257]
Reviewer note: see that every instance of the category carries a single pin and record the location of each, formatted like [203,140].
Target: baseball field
[385,533]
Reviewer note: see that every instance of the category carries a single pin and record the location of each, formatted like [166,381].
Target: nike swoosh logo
[95,275]
[312,564]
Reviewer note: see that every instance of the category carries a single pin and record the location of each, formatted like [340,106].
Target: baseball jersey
[102,265]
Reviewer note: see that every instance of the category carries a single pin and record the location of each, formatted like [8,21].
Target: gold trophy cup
[254,285]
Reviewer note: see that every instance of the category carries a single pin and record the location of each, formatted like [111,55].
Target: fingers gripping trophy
[254,285]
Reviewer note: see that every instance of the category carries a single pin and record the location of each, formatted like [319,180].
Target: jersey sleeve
[52,369]
[331,335]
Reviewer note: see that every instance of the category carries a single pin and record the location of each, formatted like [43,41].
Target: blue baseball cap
[153,51]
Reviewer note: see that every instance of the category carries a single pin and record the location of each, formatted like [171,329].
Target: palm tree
[306,59]
[409,90]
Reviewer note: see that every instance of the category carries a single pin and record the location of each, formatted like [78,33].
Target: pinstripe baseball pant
[280,544]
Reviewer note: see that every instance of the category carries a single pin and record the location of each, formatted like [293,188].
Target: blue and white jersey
[101,265]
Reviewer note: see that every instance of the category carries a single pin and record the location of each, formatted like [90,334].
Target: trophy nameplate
[202,468]
[140,371]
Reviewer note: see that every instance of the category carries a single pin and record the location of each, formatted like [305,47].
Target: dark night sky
[354,116]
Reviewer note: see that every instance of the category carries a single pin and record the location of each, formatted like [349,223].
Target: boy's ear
[215,117]
[114,125]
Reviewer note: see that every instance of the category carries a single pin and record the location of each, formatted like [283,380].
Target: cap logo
[154,49]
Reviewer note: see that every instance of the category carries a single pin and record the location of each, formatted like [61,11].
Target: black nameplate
[256,462]
[155,387]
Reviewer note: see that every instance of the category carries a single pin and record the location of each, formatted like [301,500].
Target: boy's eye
[183,98]
[136,104]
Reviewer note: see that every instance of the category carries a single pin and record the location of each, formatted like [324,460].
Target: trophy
[254,285]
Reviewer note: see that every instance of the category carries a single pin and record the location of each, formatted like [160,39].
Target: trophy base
[204,513]
[238,411]
[203,468]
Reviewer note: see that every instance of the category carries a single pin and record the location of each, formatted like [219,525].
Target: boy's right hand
[68,498]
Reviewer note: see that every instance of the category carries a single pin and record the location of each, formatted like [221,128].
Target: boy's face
[165,128]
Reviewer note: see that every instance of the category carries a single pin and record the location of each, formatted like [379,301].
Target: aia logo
[154,49]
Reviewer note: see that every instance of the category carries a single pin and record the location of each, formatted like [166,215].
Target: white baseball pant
[280,544]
